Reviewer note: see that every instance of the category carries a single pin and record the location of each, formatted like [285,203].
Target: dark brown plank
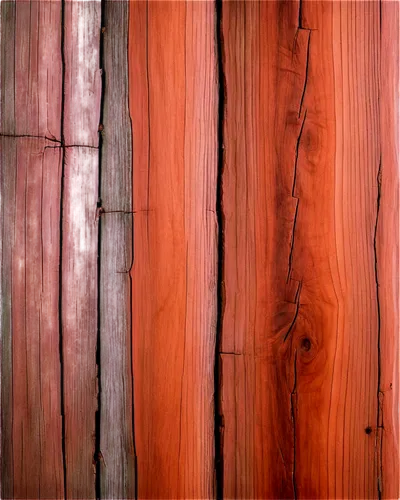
[117,460]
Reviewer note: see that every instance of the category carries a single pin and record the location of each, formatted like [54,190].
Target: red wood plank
[30,333]
[173,109]
[387,248]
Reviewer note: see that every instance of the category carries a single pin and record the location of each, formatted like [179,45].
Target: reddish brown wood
[309,294]
[387,238]
[173,108]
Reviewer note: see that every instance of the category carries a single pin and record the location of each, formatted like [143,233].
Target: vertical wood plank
[30,318]
[300,344]
[30,172]
[173,109]
[82,25]
[31,60]
[116,418]
[387,253]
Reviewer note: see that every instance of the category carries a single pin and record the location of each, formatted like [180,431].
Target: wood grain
[173,108]
[304,342]
[117,463]
[79,300]
[30,327]
[30,173]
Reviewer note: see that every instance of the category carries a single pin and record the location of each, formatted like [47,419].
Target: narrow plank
[79,318]
[354,388]
[31,60]
[82,26]
[117,462]
[387,248]
[30,170]
[30,321]
[300,326]
[173,108]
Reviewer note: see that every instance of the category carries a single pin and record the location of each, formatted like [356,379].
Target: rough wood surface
[30,177]
[309,293]
[173,102]
[117,460]
[82,25]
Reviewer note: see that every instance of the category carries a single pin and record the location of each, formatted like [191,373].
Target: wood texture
[30,173]
[79,300]
[117,461]
[173,103]
[305,335]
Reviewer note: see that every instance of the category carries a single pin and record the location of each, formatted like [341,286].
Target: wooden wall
[199,250]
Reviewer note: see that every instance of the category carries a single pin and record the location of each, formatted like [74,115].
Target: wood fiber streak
[117,460]
[79,300]
[30,318]
[311,283]
[173,103]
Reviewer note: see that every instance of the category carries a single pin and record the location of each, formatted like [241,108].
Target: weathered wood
[31,227]
[304,338]
[31,68]
[30,172]
[117,461]
[174,108]
[82,24]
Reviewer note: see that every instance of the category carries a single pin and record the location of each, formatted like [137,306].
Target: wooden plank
[173,109]
[387,253]
[31,60]
[300,326]
[117,464]
[30,321]
[30,170]
[82,25]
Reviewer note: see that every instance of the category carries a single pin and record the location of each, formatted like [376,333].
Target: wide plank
[172,97]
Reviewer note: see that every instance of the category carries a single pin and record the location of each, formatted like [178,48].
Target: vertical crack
[218,424]
[300,21]
[306,71]
[293,410]
[379,417]
[97,445]
[63,151]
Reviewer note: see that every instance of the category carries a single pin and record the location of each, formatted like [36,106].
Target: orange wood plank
[305,335]
[387,238]
[173,107]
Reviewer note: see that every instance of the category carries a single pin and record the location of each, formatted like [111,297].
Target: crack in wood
[380,395]
[292,324]
[97,443]
[61,339]
[306,72]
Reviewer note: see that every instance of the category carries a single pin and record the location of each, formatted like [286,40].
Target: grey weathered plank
[117,462]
